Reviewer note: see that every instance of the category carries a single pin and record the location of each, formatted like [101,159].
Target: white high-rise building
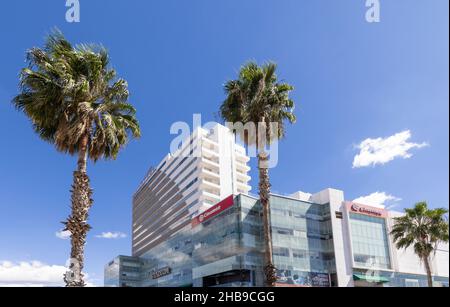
[208,167]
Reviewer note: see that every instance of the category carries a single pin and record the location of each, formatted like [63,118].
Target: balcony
[209,196]
[243,186]
[241,156]
[210,144]
[242,176]
[214,183]
[210,153]
[242,166]
[206,171]
[208,140]
[210,162]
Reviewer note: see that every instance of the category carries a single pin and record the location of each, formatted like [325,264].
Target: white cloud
[64,235]
[383,150]
[378,199]
[111,235]
[32,274]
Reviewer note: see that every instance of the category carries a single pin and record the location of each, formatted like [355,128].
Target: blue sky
[353,81]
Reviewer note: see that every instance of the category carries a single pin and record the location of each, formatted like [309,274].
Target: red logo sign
[355,207]
[213,211]
[367,210]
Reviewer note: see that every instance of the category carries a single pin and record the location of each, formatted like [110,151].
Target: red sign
[366,210]
[213,211]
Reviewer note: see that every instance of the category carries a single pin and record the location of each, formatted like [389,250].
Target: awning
[370,278]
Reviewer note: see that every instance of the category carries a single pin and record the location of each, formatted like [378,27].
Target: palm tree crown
[257,96]
[68,92]
[423,229]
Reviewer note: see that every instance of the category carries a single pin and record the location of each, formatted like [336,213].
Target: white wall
[441,261]
[406,261]
[226,161]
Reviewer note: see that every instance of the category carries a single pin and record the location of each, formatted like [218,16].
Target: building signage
[288,278]
[320,280]
[161,272]
[213,211]
[366,210]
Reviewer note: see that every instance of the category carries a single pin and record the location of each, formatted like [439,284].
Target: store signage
[320,280]
[288,278]
[213,211]
[367,210]
[161,272]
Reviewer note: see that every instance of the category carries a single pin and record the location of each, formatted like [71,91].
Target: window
[162,165]
[283,231]
[299,215]
[281,251]
[412,283]
[370,242]
[299,254]
[300,234]
[190,184]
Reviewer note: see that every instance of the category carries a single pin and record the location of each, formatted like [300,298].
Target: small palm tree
[423,229]
[257,97]
[75,102]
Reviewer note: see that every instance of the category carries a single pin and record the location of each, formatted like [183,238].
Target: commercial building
[207,167]
[210,234]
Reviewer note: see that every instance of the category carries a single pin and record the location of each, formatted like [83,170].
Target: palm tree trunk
[264,192]
[426,261]
[76,223]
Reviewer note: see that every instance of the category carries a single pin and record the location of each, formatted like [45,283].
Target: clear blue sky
[353,80]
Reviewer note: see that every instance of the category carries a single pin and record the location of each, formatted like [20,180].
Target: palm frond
[421,228]
[256,96]
[69,91]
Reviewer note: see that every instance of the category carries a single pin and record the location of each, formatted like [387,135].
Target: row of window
[369,241]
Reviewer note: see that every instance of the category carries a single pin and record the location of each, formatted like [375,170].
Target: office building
[195,225]
[207,167]
[320,240]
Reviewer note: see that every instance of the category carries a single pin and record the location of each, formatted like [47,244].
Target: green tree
[258,97]
[423,229]
[75,101]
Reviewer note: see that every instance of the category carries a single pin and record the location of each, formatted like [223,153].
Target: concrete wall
[341,237]
[406,261]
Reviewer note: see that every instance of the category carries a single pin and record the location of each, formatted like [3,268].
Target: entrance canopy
[370,278]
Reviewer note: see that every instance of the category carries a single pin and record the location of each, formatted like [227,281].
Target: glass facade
[123,271]
[175,255]
[302,242]
[370,242]
[225,248]
[371,256]
[228,250]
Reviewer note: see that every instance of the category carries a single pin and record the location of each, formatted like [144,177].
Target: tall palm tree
[258,97]
[75,102]
[423,229]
